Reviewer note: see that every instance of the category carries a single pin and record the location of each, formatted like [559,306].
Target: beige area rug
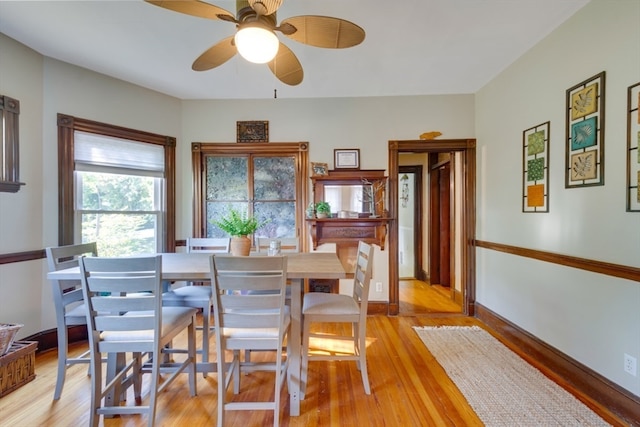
[502,388]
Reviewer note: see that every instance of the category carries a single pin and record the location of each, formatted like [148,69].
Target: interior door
[440,225]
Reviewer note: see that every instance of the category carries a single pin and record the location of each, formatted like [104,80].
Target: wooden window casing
[10,144]
[67,125]
[200,151]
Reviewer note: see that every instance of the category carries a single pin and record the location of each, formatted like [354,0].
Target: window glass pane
[114,192]
[215,211]
[120,234]
[227,178]
[282,216]
[274,178]
[119,212]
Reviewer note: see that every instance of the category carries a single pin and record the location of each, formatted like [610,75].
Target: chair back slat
[117,304]
[236,302]
[208,244]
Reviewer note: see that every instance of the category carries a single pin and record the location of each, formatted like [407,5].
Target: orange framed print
[535,168]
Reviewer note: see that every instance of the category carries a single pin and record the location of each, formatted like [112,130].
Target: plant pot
[240,246]
[321,215]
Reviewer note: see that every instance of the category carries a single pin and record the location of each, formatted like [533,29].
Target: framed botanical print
[585,133]
[633,148]
[535,168]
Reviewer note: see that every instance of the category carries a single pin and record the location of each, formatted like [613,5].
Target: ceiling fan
[256,40]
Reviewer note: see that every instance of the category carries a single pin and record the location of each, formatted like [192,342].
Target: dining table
[300,266]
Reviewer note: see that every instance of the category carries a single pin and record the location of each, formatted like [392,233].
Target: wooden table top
[195,266]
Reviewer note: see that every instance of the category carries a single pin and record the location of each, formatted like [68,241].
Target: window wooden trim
[200,150]
[67,125]
[10,126]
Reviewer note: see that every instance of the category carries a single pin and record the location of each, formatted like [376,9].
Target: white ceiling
[412,47]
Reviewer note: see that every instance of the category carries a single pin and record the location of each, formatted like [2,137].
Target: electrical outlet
[379,288]
[630,365]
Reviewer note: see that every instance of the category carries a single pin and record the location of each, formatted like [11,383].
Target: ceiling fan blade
[195,8]
[265,7]
[323,31]
[216,55]
[286,67]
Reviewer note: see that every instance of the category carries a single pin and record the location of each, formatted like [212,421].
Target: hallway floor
[418,297]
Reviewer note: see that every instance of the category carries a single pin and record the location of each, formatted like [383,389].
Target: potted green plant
[239,225]
[323,210]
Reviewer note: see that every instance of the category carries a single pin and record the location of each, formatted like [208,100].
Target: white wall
[21,213]
[593,318]
[328,123]
[46,87]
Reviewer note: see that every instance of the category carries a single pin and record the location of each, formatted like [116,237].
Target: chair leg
[222,390]
[361,343]
[137,378]
[191,343]
[236,372]
[96,387]
[62,361]
[304,365]
[153,390]
[206,322]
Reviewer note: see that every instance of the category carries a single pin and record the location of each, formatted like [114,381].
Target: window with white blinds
[119,194]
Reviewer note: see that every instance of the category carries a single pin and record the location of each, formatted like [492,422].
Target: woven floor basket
[8,332]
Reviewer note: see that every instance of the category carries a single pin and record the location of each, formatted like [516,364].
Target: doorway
[410,235]
[464,231]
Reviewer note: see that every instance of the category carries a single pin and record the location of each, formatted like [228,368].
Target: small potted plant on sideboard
[323,210]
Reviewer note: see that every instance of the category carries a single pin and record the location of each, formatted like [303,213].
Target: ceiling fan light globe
[256,44]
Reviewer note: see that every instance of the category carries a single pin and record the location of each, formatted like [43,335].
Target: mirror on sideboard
[357,191]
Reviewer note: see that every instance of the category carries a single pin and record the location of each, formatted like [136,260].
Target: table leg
[294,343]
[115,362]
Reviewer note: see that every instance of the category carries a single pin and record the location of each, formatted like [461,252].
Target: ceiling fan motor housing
[261,7]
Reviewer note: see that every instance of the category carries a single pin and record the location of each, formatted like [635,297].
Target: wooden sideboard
[348,230]
[368,217]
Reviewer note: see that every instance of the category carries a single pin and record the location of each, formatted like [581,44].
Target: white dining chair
[69,308]
[199,295]
[320,307]
[245,321]
[288,245]
[125,314]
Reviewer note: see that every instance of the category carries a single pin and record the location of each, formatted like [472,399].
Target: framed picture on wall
[346,158]
[319,169]
[252,131]
[535,168]
[585,133]
[633,148]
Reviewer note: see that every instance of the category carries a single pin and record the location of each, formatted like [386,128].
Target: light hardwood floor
[409,388]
